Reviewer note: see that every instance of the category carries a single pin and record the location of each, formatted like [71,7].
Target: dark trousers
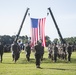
[42,57]
[69,56]
[28,56]
[1,57]
[55,57]
[16,56]
[38,57]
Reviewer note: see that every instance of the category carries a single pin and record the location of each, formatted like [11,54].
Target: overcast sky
[12,13]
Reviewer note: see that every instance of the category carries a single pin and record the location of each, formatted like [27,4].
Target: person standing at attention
[55,52]
[28,51]
[69,50]
[38,48]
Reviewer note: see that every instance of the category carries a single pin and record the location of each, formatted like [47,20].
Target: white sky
[12,13]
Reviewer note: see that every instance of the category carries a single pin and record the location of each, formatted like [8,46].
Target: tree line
[7,39]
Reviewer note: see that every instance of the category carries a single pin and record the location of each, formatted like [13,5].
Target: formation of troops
[61,51]
[55,51]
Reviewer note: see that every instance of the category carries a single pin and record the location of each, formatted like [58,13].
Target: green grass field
[22,67]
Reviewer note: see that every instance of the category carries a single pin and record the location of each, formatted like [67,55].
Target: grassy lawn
[22,67]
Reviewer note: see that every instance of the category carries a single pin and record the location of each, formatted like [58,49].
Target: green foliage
[9,39]
[22,67]
[55,40]
[48,41]
[71,40]
[6,39]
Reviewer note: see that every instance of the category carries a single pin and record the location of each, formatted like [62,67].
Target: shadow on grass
[32,61]
[73,60]
[24,61]
[60,69]
[45,60]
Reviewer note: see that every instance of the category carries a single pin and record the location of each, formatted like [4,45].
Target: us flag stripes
[38,31]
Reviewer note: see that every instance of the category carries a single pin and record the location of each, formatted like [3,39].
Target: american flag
[38,31]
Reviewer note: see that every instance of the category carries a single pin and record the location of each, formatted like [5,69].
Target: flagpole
[21,25]
[61,38]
